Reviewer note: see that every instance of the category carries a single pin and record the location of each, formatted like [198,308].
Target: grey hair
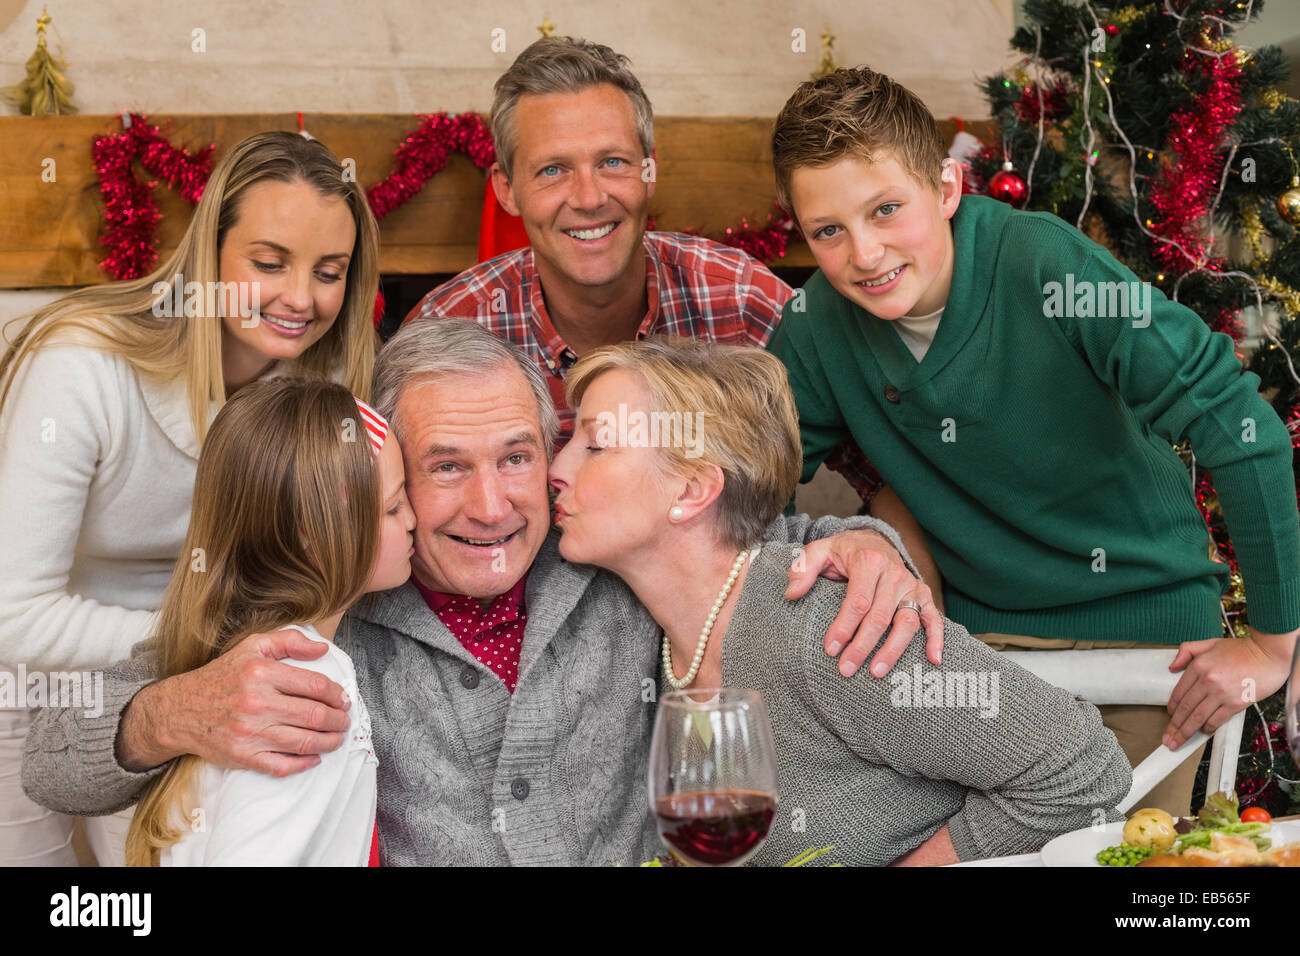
[429,348]
[564,65]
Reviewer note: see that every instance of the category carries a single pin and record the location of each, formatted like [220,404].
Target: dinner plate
[1081,847]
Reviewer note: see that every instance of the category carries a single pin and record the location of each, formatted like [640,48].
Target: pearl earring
[675,513]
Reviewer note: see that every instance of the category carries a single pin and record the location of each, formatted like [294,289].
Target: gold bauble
[1288,204]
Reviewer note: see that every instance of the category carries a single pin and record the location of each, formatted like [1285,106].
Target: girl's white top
[324,816]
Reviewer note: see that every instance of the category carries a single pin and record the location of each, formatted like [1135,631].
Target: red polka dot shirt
[494,636]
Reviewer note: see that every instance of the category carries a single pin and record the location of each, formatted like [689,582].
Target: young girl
[299,507]
[105,399]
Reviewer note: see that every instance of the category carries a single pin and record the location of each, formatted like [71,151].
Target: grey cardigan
[873,766]
[468,773]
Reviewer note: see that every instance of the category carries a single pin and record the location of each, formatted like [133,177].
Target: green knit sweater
[1032,443]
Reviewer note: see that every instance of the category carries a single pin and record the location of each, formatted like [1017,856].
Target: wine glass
[1293,706]
[713,780]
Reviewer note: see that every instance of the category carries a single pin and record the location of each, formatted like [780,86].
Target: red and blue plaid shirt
[695,287]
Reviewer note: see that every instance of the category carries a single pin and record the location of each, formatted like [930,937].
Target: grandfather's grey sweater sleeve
[70,761]
[801,529]
[1037,762]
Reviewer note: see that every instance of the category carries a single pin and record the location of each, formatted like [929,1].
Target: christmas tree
[45,91]
[1147,128]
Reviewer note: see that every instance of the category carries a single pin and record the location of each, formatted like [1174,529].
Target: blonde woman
[105,399]
[879,769]
[299,507]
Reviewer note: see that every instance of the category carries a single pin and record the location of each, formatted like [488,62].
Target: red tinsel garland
[1190,179]
[130,211]
[766,243]
[425,153]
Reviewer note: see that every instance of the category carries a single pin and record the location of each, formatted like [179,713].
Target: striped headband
[376,426]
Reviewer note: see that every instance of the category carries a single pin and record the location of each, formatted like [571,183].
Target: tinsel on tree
[1145,126]
[45,91]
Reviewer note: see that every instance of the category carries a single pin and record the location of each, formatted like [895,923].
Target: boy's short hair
[855,112]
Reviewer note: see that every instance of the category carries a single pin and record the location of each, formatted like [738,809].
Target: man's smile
[482,542]
[591,233]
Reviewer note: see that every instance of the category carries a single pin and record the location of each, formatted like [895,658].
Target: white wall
[727,57]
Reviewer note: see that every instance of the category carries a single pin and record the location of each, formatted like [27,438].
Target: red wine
[714,827]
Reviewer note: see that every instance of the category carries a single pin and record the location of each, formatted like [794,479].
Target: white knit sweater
[96,475]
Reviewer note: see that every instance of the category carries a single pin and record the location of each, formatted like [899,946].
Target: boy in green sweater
[1019,390]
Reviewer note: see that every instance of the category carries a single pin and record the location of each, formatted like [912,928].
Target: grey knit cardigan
[873,767]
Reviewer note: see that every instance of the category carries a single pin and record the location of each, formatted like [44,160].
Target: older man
[511,694]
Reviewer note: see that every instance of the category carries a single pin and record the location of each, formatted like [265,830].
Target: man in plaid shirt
[692,287]
[575,141]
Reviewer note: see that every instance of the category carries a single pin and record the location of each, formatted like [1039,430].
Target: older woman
[105,399]
[683,452]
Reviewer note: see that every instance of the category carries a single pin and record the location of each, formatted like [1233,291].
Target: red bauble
[1111,30]
[1008,187]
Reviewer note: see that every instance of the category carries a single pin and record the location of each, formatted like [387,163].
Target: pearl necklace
[704,632]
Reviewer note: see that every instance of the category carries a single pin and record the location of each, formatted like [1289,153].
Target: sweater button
[468,677]
[892,394]
[519,788]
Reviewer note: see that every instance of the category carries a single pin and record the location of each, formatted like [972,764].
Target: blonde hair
[748,425]
[563,65]
[284,528]
[119,317]
[855,112]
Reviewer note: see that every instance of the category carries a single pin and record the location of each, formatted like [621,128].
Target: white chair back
[1136,677]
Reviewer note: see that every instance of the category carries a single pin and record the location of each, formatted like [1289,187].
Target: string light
[1038,87]
[1087,117]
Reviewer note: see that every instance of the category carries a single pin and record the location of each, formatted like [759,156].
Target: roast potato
[1150,828]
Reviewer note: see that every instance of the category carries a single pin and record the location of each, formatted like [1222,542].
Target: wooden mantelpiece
[711,172]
